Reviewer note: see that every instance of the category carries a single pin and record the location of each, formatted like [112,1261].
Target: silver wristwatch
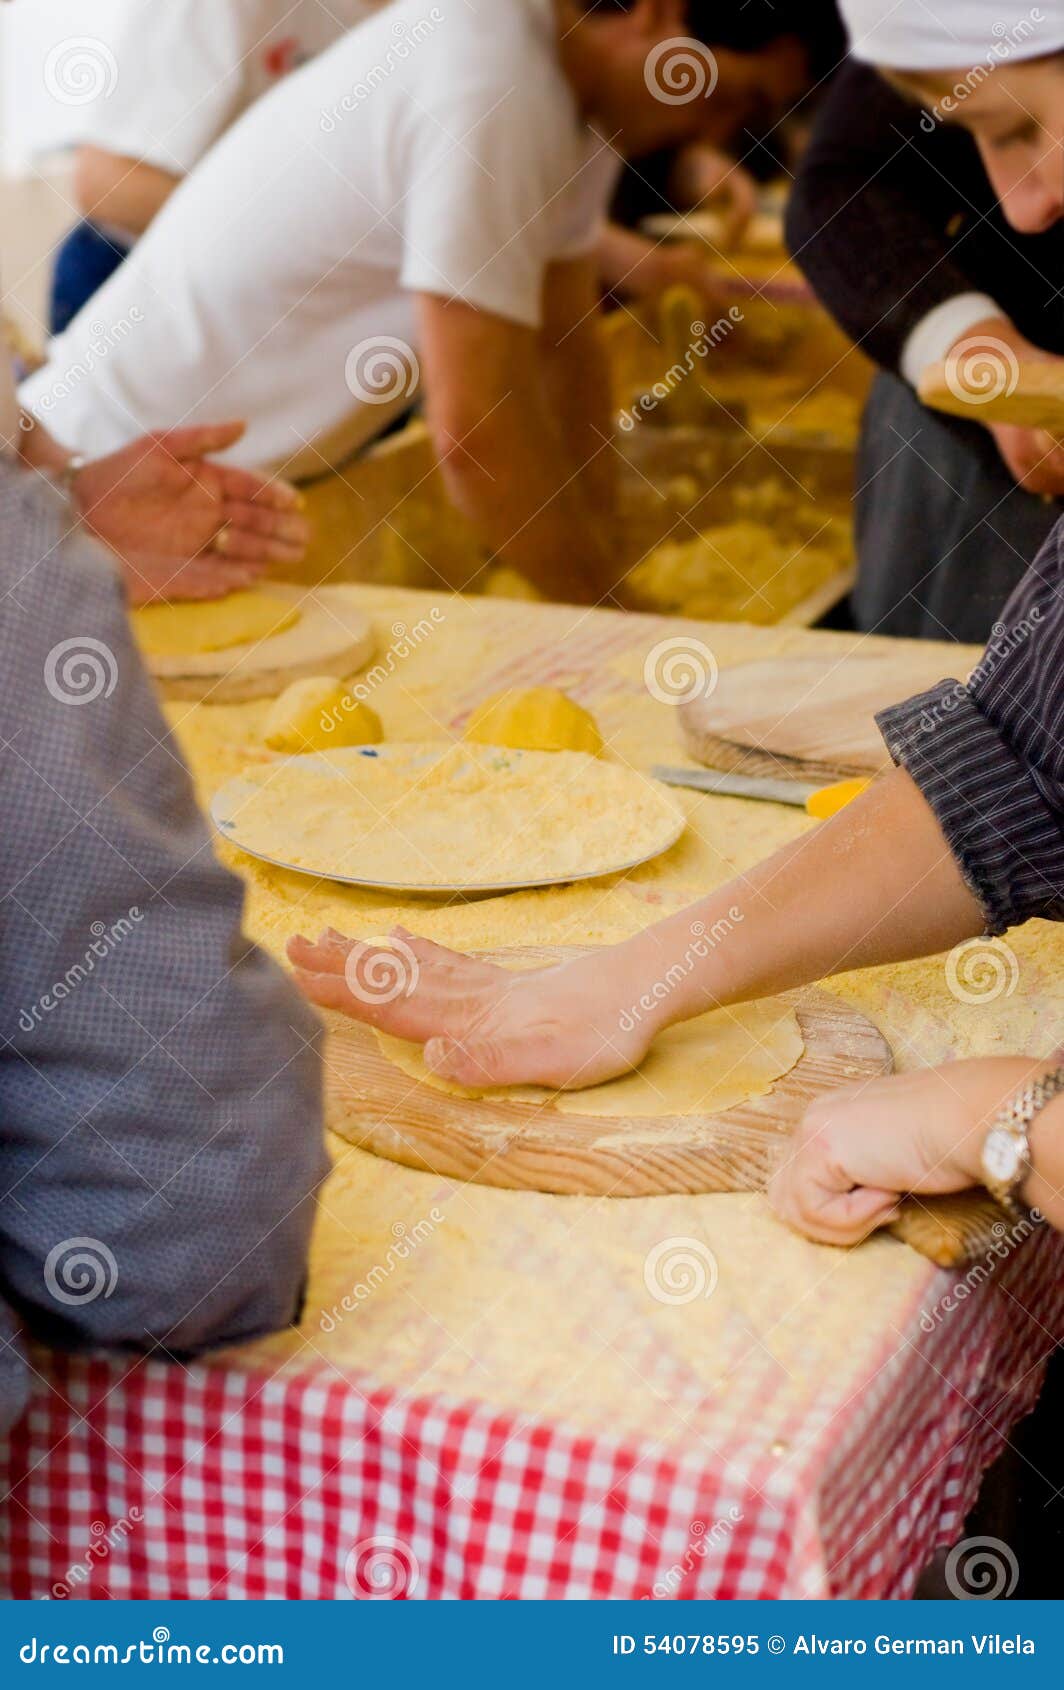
[1006,1157]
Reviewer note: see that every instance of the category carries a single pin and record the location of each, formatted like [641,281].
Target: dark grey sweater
[160,1121]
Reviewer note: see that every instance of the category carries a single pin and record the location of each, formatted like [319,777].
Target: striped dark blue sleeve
[988,754]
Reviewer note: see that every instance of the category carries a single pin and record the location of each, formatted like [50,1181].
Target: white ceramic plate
[236,813]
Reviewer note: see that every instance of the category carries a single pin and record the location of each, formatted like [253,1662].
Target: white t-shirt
[187,69]
[436,148]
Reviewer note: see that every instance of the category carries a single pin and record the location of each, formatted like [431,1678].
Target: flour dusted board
[807,717]
[523,1146]
[331,637]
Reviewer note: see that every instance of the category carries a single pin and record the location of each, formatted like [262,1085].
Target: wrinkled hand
[160,507]
[1034,459]
[734,192]
[859,1149]
[480,1025]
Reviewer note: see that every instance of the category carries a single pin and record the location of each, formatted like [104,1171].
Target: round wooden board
[332,637]
[804,717]
[533,1147]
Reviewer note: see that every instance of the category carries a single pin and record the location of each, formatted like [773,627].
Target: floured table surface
[535,1303]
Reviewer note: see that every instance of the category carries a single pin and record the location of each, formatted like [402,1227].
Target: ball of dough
[502,582]
[534,719]
[319,714]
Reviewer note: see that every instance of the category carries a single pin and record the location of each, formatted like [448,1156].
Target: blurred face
[650,86]
[1016,115]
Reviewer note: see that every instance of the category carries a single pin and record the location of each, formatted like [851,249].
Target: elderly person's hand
[185,528]
[860,1149]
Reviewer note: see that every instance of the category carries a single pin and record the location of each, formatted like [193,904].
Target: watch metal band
[1006,1148]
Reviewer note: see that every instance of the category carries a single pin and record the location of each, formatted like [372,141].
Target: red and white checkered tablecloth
[133,1478]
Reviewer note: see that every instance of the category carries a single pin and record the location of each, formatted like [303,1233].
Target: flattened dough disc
[534,1146]
[332,637]
[805,717]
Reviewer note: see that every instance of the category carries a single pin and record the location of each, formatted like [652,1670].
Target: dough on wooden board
[195,628]
[698,1067]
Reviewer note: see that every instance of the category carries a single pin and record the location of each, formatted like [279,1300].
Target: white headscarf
[949,34]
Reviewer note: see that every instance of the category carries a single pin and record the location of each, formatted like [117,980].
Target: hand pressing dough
[698,1067]
[196,628]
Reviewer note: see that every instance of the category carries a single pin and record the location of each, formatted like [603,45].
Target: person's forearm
[123,192]
[512,478]
[583,408]
[876,884]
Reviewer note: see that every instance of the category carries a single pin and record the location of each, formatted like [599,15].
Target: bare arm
[876,884]
[121,191]
[503,452]
[579,384]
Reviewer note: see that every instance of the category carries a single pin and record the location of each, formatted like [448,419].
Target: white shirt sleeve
[486,212]
[931,339]
[181,79]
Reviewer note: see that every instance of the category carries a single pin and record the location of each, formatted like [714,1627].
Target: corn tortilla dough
[454,815]
[194,629]
[698,1067]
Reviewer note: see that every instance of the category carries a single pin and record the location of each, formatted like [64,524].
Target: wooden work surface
[536,1303]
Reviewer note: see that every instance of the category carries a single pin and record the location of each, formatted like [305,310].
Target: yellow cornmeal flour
[453,815]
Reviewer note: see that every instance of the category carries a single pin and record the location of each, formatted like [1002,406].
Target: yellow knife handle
[831,799]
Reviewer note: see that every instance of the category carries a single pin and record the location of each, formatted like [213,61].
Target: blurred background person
[187,69]
[894,221]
